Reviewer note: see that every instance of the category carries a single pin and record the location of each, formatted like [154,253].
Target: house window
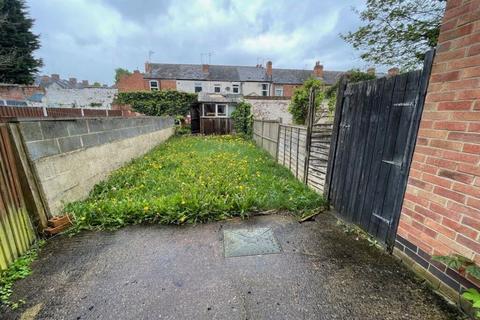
[216,88]
[279,91]
[264,89]
[198,87]
[236,88]
[153,85]
[221,110]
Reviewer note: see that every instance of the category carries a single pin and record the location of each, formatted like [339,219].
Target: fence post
[44,109]
[333,140]
[308,142]
[278,138]
[263,130]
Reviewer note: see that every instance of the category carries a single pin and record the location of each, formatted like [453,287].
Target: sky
[88,39]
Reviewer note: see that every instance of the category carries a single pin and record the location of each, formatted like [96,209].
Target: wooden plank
[387,154]
[335,134]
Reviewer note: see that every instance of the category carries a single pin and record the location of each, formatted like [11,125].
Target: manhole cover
[250,242]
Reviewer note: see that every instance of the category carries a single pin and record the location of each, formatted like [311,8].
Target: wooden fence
[41,112]
[304,152]
[16,230]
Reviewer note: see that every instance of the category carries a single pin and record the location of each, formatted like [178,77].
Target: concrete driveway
[167,272]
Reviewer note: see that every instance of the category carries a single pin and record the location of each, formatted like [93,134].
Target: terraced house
[222,79]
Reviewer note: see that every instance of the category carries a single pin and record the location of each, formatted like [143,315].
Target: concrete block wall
[441,209]
[71,156]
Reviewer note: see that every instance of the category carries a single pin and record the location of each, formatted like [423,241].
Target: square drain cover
[250,242]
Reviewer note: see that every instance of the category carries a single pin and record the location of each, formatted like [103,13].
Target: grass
[191,180]
[19,269]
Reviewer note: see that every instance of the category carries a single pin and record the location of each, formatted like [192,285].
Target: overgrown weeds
[190,180]
[19,269]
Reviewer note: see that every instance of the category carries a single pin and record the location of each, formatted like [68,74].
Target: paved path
[164,272]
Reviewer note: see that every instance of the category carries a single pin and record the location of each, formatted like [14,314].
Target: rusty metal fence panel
[16,230]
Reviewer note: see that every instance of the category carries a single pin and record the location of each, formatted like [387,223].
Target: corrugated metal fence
[16,230]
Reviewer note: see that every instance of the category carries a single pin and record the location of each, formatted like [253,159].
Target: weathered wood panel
[375,128]
[215,125]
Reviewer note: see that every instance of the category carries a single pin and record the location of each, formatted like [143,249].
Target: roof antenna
[150,54]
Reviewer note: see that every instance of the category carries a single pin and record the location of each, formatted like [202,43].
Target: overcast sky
[88,39]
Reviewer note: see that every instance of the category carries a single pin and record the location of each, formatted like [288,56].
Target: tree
[299,104]
[158,103]
[120,72]
[397,32]
[17,44]
[97,84]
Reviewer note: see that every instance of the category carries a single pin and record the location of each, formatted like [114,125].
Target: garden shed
[212,114]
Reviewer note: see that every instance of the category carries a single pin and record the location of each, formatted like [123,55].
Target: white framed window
[279,91]
[216,88]
[236,88]
[215,110]
[264,89]
[154,85]
[198,87]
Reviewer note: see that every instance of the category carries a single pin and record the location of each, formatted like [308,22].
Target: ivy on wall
[158,103]
[243,119]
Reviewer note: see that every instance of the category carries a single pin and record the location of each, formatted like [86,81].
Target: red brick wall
[168,84]
[288,89]
[18,92]
[441,210]
[132,82]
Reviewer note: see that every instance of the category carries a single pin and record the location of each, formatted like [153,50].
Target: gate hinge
[379,217]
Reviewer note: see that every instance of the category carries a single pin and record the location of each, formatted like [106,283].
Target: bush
[243,119]
[299,105]
[158,103]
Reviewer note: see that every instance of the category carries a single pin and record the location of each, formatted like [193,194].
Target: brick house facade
[441,209]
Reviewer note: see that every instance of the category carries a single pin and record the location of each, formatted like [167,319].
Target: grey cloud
[86,44]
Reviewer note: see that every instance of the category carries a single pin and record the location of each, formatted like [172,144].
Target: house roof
[233,73]
[46,81]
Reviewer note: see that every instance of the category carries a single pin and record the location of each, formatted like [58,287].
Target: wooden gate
[16,230]
[375,130]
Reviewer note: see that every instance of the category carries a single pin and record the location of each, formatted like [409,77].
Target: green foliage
[193,179]
[182,130]
[459,262]
[158,103]
[97,84]
[17,44]
[354,75]
[19,269]
[473,296]
[299,104]
[397,32]
[243,119]
[119,72]
[454,261]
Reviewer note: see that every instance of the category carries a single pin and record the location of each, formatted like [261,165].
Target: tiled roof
[233,73]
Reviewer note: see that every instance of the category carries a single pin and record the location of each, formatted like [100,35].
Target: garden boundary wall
[289,145]
[69,156]
[441,208]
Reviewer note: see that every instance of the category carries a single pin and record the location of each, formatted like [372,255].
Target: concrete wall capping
[57,136]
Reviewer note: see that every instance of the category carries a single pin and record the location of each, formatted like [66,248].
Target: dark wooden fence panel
[375,129]
[215,125]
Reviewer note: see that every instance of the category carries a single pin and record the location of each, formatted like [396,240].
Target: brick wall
[168,84]
[441,209]
[18,92]
[132,82]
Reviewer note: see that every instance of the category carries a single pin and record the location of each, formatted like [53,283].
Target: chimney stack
[148,67]
[269,69]
[45,78]
[393,72]
[85,83]
[205,68]
[73,81]
[55,76]
[371,71]
[318,70]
